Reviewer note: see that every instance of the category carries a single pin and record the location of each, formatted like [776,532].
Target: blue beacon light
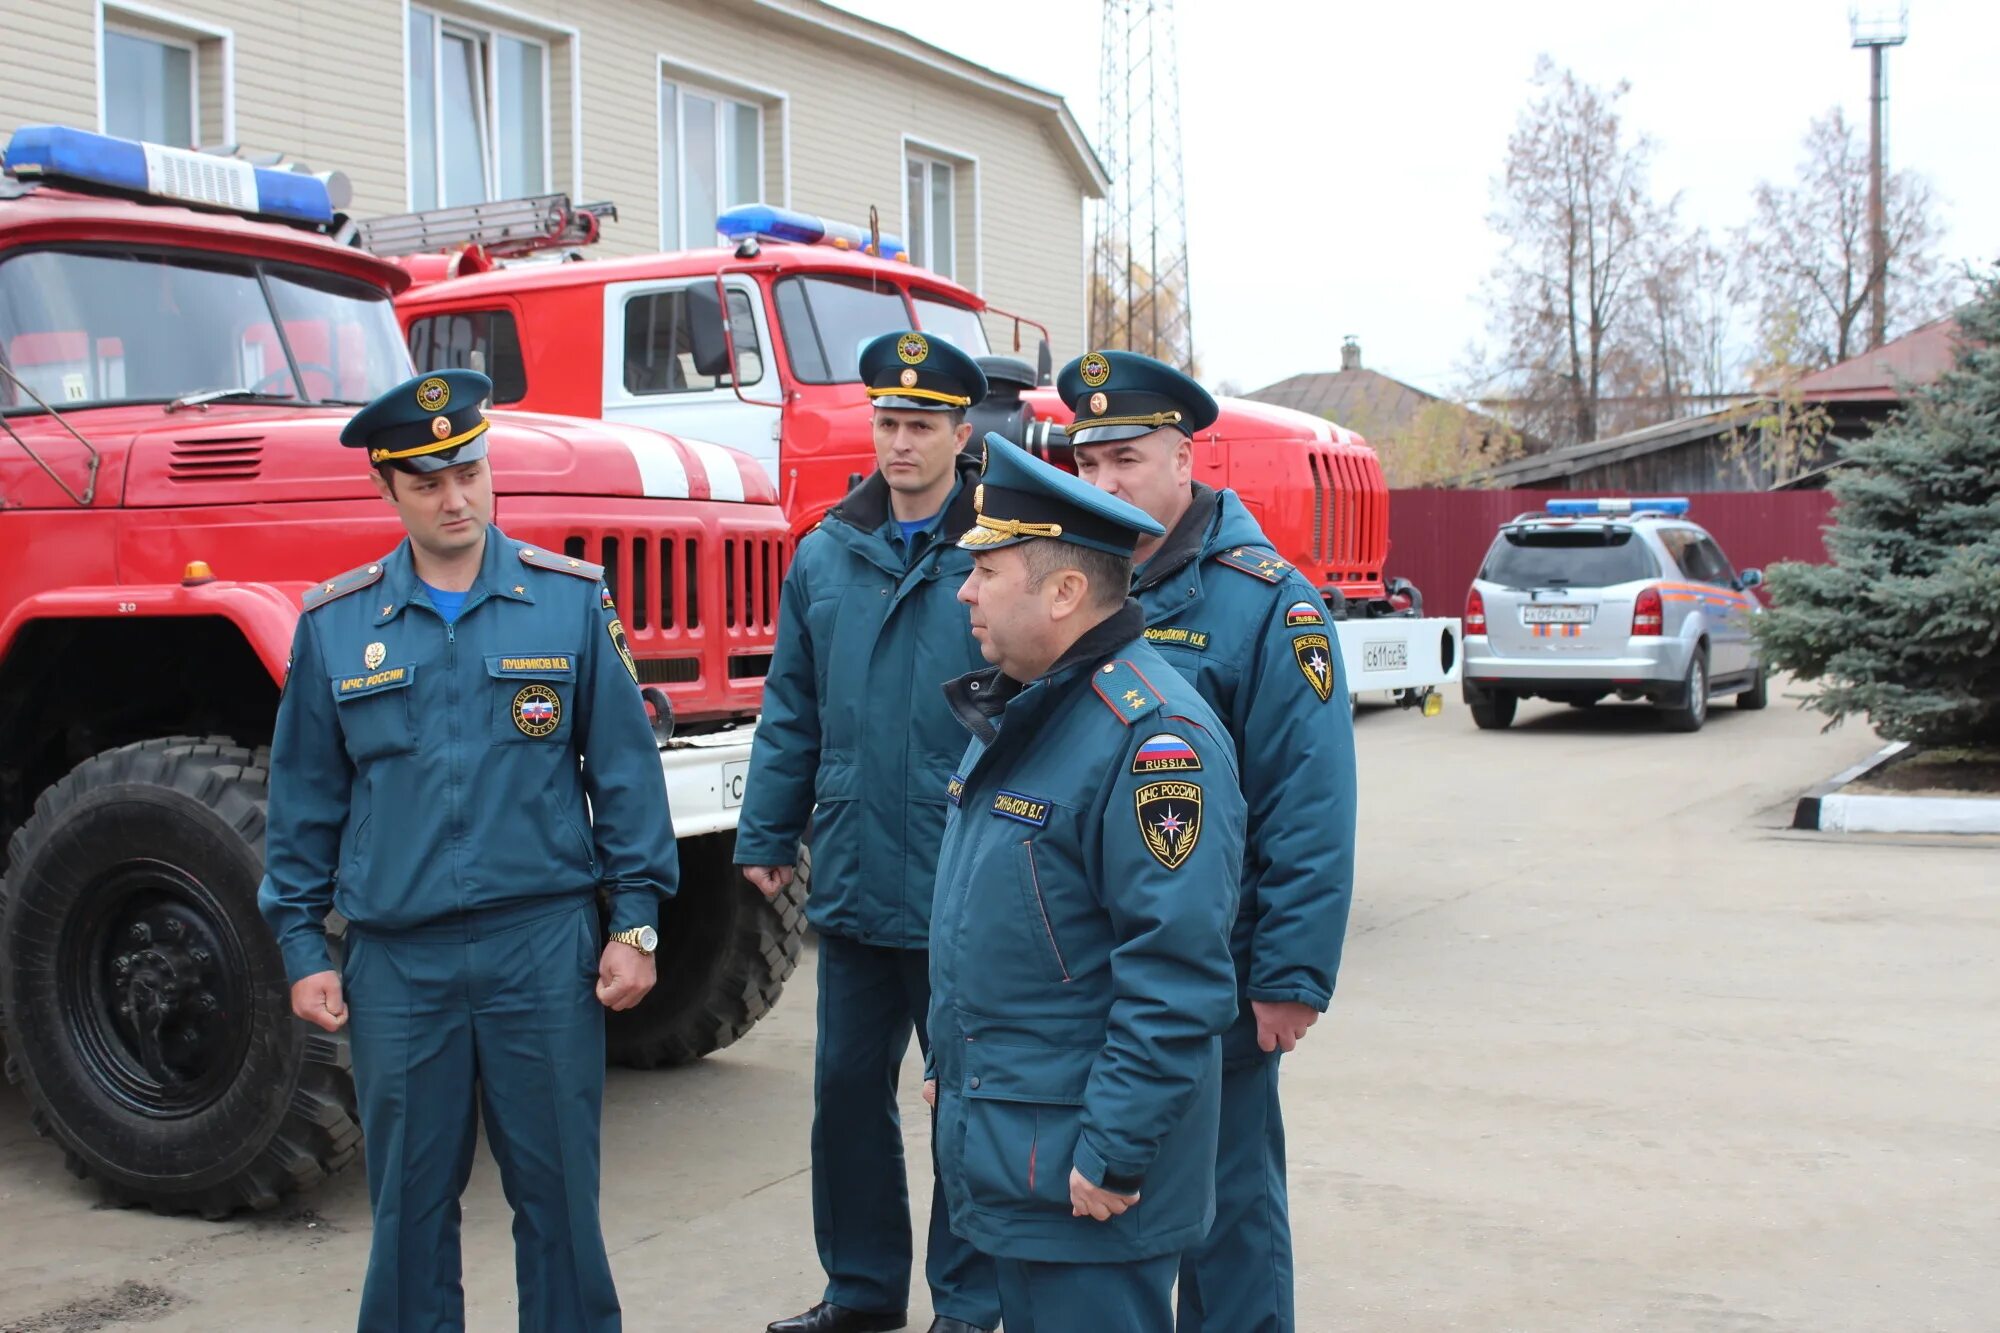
[784,224]
[79,158]
[1587,508]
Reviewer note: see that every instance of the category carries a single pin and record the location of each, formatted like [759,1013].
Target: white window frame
[485,34]
[148,23]
[724,91]
[919,150]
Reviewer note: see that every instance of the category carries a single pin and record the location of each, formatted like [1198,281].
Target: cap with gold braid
[920,372]
[425,424]
[1020,498]
[1123,395]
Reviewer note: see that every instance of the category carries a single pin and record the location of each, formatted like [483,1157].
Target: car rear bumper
[1643,664]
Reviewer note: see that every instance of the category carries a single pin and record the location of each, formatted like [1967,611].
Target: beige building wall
[843,99]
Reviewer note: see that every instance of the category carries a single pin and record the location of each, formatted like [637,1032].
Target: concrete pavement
[1613,1050]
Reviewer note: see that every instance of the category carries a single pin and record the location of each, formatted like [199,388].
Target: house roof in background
[1618,448]
[1918,357]
[1348,396]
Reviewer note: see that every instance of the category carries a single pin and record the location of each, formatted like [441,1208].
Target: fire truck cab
[181,342]
[755,345]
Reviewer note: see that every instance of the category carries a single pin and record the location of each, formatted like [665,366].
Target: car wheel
[1693,708]
[1758,695]
[1492,710]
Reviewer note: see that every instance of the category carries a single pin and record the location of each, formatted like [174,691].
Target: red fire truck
[180,344]
[754,345]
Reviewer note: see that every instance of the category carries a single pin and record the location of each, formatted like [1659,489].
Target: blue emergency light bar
[99,161]
[1587,508]
[782,224]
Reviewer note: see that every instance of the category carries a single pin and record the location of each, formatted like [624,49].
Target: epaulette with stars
[1125,691]
[561,564]
[1257,561]
[354,580]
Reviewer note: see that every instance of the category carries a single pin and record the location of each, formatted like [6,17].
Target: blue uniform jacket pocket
[374,711]
[533,693]
[1023,1116]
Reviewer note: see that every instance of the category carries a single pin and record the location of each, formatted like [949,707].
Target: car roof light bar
[102,162]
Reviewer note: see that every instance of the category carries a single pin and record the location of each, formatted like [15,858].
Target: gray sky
[1339,156]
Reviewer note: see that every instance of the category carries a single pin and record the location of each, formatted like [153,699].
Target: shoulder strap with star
[1125,691]
[1260,562]
[354,580]
[561,564]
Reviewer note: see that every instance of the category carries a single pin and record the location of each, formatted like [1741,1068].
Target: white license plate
[1558,615]
[1385,655]
[733,777]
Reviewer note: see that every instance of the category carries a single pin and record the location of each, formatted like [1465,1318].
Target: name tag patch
[1026,809]
[954,789]
[1178,635]
[523,664]
[1165,753]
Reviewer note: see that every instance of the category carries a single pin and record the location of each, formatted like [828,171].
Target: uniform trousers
[870,1001]
[489,1015]
[1239,1280]
[1132,1297]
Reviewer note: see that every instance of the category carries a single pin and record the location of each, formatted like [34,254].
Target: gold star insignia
[520,591]
[576,564]
[329,587]
[387,609]
[1134,698]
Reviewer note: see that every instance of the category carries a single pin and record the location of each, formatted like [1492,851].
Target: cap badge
[1095,369]
[372,656]
[979,496]
[908,379]
[914,348]
[440,426]
[1098,402]
[433,394]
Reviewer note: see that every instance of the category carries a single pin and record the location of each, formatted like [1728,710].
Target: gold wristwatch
[643,938]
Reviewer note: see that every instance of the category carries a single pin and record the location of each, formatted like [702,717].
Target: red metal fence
[1438,538]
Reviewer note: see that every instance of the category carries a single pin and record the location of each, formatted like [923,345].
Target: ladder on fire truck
[508,228]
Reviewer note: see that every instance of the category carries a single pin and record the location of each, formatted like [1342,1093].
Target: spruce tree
[1903,624]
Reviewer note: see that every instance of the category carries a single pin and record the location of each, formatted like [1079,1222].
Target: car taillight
[1647,613]
[1475,613]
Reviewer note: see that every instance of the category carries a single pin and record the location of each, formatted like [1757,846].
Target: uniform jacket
[420,769]
[1080,967]
[854,720]
[1252,635]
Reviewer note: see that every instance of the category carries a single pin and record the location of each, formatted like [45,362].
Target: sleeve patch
[1303,613]
[1169,820]
[1165,752]
[1125,691]
[1314,654]
[1256,561]
[617,631]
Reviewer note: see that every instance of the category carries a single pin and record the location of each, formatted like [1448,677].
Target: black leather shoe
[943,1325]
[826,1317]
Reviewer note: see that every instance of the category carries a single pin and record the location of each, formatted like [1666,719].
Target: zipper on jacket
[1048,927]
[451,763]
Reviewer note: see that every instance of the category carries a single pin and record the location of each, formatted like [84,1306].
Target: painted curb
[1827,809]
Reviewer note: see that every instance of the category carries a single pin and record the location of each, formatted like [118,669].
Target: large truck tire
[146,1011]
[724,957]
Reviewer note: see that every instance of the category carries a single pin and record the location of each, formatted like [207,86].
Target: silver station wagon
[1596,598]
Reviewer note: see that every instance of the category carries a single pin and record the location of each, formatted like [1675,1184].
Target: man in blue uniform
[1252,635]
[1080,967]
[448,712]
[869,629]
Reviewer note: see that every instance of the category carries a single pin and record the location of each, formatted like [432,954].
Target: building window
[931,207]
[711,158]
[163,79]
[479,113]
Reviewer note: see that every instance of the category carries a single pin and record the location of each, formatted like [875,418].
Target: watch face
[649,939]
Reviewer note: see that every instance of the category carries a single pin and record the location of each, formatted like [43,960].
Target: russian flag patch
[1165,753]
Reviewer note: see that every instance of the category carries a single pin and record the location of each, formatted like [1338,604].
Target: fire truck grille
[661,587]
[1348,507]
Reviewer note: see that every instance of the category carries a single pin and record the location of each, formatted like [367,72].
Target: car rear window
[1582,557]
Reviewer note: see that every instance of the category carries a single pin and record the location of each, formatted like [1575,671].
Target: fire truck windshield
[90,328]
[828,320]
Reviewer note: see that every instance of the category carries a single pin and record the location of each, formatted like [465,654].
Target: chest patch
[954,789]
[1314,653]
[1169,820]
[1179,636]
[386,679]
[1165,753]
[1026,809]
[1303,613]
[537,710]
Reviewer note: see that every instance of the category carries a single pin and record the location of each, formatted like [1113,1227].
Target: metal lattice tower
[1139,263]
